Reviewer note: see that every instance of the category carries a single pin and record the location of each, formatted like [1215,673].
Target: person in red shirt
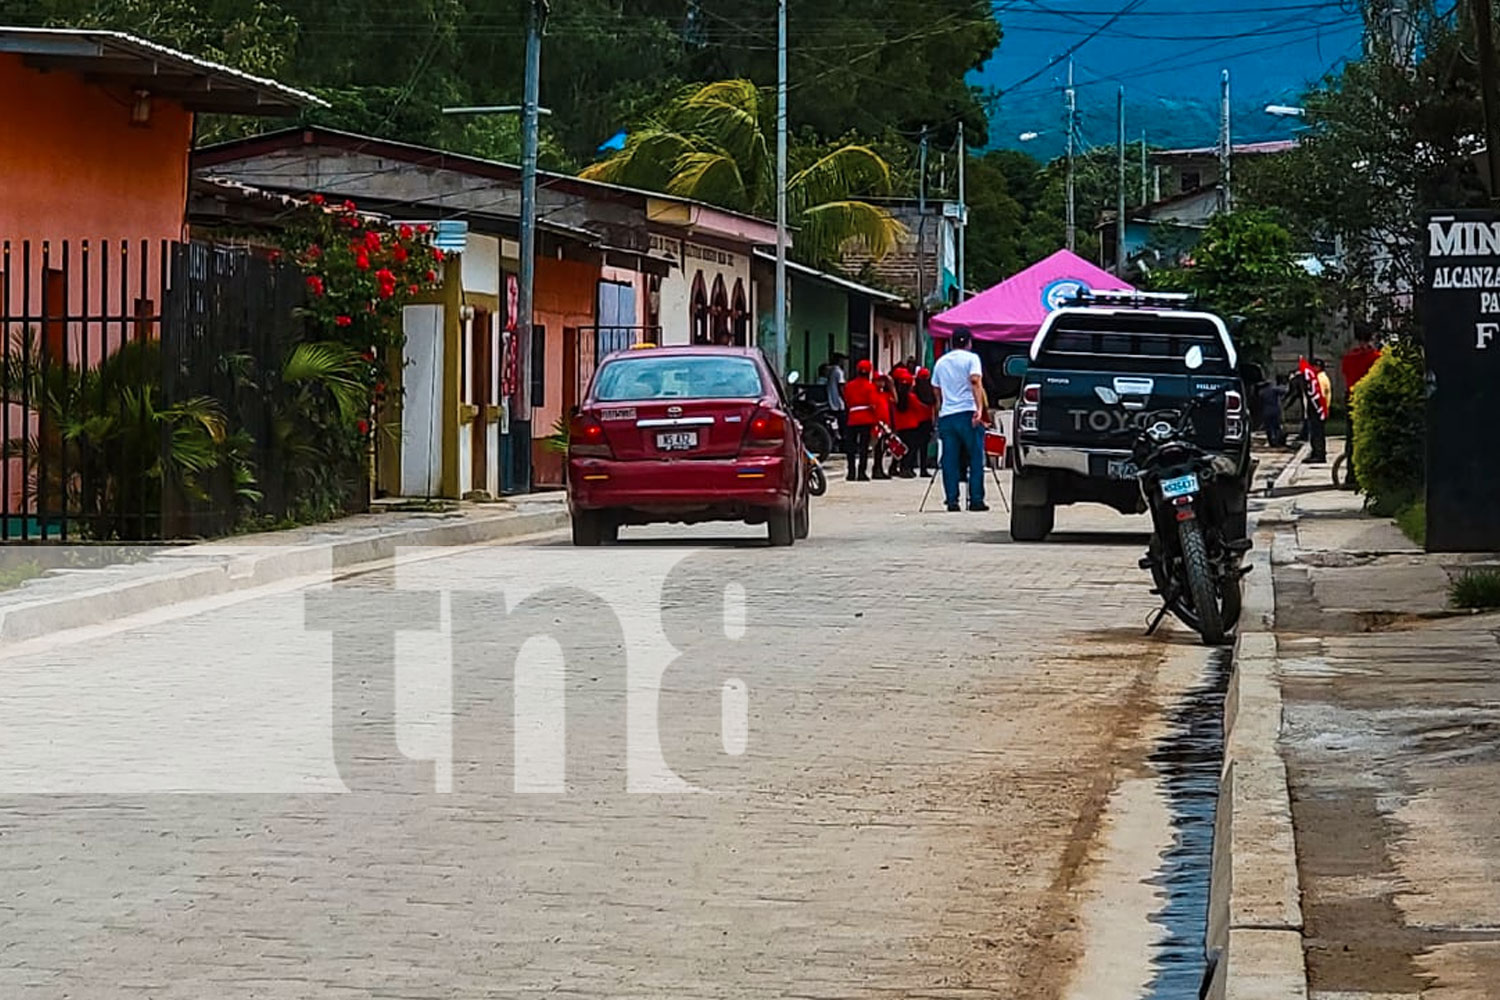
[907,419]
[885,402]
[859,400]
[1356,364]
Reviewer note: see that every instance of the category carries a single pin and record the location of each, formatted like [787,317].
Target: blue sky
[1168,55]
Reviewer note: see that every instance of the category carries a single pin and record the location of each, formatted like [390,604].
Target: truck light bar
[1137,300]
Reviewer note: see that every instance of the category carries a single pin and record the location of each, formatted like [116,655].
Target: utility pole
[1120,199]
[1072,129]
[782,345]
[1484,33]
[1145,194]
[922,237]
[536,16]
[963,216]
[1226,198]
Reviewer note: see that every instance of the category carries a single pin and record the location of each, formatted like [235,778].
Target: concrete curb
[1255,910]
[238,568]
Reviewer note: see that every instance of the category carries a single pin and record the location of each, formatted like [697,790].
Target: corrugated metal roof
[199,84]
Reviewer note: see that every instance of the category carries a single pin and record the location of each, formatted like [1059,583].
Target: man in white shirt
[958,378]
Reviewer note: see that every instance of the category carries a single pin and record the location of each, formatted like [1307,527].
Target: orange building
[94,175]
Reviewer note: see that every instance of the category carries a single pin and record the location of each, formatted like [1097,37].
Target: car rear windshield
[1133,343]
[682,377]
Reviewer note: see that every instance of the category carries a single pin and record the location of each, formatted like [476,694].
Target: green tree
[711,144]
[1385,145]
[1247,265]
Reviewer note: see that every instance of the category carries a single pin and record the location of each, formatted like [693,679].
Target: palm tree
[710,145]
[110,447]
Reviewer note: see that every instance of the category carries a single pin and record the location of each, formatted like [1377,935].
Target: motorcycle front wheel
[1202,590]
[817,481]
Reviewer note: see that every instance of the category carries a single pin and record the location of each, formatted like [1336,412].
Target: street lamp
[1285,111]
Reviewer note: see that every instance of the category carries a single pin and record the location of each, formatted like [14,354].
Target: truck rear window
[1132,343]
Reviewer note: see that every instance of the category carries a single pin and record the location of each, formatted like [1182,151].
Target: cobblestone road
[932,720]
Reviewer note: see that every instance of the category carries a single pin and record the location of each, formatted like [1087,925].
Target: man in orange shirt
[859,399]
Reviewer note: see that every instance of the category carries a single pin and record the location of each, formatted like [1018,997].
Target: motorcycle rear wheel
[819,439]
[1202,589]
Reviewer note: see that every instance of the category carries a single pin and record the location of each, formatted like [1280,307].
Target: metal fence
[120,372]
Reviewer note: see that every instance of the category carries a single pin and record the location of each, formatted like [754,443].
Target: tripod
[937,472]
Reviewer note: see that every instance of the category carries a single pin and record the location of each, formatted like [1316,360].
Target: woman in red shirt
[885,400]
[859,400]
[912,420]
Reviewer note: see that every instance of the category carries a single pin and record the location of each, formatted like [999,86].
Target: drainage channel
[1189,759]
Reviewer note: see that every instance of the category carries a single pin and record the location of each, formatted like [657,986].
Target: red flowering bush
[360,274]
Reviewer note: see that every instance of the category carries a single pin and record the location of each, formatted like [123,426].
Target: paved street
[925,727]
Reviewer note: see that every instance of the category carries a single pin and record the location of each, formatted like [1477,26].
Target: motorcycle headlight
[1160,431]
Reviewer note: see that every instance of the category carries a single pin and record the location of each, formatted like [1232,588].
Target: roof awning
[117,58]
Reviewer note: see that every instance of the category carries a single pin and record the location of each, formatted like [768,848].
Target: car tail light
[1234,416]
[586,438]
[767,429]
[1026,413]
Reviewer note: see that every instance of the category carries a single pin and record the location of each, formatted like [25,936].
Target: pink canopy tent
[1013,311]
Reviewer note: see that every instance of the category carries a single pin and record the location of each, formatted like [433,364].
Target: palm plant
[106,447]
[711,145]
[321,397]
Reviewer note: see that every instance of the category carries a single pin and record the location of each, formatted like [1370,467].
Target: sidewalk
[121,580]
[1389,735]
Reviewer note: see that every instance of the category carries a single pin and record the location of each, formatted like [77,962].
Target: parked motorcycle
[820,425]
[1193,559]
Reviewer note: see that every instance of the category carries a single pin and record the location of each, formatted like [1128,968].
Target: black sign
[1461,318]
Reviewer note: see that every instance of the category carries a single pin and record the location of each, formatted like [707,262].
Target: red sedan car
[687,435]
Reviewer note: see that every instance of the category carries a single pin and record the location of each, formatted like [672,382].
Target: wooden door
[481,377]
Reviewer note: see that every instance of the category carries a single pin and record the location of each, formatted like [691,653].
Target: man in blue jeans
[958,378]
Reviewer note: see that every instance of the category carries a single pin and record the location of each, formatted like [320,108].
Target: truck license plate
[1122,469]
[1182,486]
[677,441]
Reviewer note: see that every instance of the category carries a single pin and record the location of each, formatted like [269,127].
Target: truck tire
[1236,516]
[1200,581]
[1031,524]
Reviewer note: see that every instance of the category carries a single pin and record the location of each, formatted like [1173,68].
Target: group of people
[1313,386]
[914,403]
[870,405]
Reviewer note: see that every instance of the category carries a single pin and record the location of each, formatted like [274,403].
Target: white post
[783,347]
[963,216]
[1072,119]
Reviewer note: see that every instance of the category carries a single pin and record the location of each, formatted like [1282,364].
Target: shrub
[1477,588]
[1413,522]
[1389,425]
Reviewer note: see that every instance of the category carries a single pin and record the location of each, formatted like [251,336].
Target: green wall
[817,312]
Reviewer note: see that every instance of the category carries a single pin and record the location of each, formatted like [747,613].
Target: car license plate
[677,441]
[1182,486]
[1122,469]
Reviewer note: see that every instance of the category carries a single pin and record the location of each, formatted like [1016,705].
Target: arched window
[722,333]
[740,315]
[699,318]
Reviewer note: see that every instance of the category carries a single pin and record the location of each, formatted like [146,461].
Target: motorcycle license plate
[1122,469]
[677,441]
[1182,486]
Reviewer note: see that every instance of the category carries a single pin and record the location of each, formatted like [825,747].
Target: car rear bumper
[729,486]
